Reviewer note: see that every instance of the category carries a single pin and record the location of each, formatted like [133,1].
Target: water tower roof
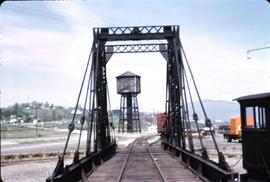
[128,74]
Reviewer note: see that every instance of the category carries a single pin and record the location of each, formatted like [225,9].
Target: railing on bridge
[100,145]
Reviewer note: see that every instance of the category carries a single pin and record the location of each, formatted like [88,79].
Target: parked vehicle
[235,129]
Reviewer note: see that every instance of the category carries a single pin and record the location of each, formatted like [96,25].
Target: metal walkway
[142,162]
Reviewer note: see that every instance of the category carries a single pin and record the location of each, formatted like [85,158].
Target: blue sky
[45,46]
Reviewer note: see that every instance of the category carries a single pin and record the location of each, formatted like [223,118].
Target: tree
[27,118]
[16,109]
[46,105]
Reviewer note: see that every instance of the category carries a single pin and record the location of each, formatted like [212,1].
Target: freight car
[161,123]
[163,130]
[256,137]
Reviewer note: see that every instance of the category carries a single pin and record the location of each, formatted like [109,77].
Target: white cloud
[219,66]
[222,70]
[46,52]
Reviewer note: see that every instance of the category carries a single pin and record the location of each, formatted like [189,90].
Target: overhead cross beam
[136,33]
[135,48]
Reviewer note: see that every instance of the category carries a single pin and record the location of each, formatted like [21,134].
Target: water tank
[128,82]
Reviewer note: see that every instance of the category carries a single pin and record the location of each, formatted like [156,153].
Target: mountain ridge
[217,109]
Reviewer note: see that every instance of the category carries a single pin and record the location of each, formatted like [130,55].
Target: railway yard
[42,157]
[98,140]
[130,91]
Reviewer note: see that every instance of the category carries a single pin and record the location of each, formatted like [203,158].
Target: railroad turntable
[177,137]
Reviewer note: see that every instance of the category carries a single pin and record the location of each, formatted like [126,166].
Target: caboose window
[249,123]
[255,117]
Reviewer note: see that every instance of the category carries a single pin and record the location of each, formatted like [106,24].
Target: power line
[53,15]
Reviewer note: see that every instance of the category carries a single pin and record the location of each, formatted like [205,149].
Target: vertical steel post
[129,114]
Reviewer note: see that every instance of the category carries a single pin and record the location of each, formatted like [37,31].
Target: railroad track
[140,164]
[14,158]
[35,156]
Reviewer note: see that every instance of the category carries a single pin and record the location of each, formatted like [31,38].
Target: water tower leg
[129,114]
[137,113]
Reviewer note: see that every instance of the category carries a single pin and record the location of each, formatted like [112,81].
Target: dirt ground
[28,171]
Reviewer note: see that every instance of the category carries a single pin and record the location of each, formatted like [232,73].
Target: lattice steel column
[136,114]
[121,124]
[129,113]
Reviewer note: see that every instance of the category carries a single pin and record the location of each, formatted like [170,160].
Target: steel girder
[102,121]
[135,48]
[136,33]
[206,170]
[85,166]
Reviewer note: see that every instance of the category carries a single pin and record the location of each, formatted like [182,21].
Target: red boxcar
[161,122]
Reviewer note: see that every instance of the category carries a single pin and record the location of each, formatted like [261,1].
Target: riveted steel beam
[207,170]
[135,48]
[136,33]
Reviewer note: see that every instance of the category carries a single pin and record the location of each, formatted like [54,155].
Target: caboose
[256,137]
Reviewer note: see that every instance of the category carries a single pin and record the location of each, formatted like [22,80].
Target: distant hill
[216,110]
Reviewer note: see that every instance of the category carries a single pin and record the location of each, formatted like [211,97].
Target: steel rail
[125,162]
[161,175]
[156,164]
[27,157]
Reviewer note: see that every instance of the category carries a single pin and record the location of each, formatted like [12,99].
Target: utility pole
[36,121]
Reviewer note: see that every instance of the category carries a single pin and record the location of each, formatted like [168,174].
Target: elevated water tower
[129,85]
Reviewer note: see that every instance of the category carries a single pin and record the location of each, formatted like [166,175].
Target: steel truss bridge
[100,143]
